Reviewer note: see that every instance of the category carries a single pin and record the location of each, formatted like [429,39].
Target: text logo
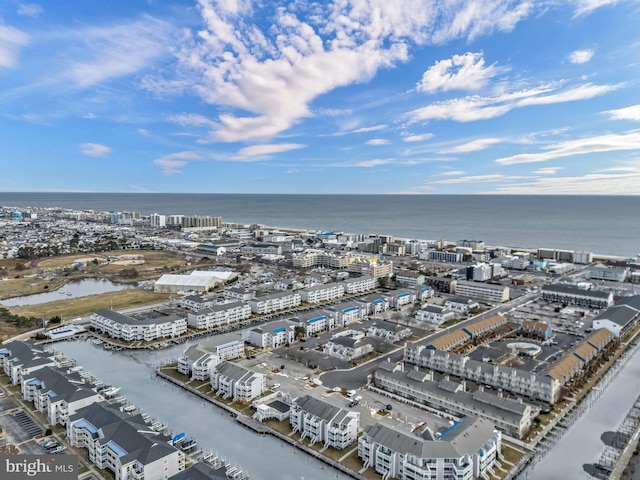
[46,467]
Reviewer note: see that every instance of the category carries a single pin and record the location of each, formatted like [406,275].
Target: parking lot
[20,428]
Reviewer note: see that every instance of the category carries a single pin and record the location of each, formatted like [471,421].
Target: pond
[73,289]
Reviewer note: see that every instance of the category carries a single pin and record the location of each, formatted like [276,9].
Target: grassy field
[80,307]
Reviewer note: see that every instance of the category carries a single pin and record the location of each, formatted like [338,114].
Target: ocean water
[607,225]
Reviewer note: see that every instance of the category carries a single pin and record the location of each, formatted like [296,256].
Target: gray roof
[67,387]
[129,433]
[623,313]
[235,372]
[321,409]
[464,438]
[574,290]
[201,471]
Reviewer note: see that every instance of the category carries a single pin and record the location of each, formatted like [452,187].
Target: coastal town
[382,357]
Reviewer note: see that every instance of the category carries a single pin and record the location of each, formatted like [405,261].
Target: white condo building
[198,360]
[483,291]
[130,329]
[231,381]
[217,315]
[322,293]
[322,422]
[468,449]
[274,302]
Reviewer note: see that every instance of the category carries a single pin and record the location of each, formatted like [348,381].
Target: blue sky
[350,96]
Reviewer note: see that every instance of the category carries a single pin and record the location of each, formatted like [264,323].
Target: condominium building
[118,325]
[238,294]
[513,417]
[612,274]
[124,444]
[347,347]
[231,381]
[315,322]
[483,291]
[481,272]
[536,386]
[441,284]
[466,450]
[195,303]
[347,312]
[460,304]
[272,335]
[322,422]
[359,284]
[20,359]
[274,302]
[319,258]
[261,249]
[217,315]
[198,360]
[573,295]
[57,394]
[400,298]
[409,279]
[620,318]
[442,256]
[374,303]
[322,293]
[371,267]
[390,332]
[434,314]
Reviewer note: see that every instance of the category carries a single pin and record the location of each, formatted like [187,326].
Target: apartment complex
[198,360]
[466,450]
[322,293]
[231,381]
[274,302]
[573,295]
[485,292]
[118,325]
[322,422]
[217,315]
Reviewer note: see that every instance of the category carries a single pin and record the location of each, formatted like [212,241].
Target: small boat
[110,391]
[188,444]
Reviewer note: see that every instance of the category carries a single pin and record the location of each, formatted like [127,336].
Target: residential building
[198,360]
[620,318]
[20,359]
[441,284]
[611,274]
[485,292]
[359,284]
[370,267]
[238,294]
[315,322]
[271,335]
[536,328]
[118,325]
[231,381]
[535,386]
[513,417]
[347,347]
[460,304]
[322,293]
[434,314]
[274,302]
[400,298]
[322,422]
[319,258]
[390,332]
[442,256]
[409,279]
[468,449]
[57,394]
[573,295]
[124,444]
[261,249]
[374,303]
[217,315]
[195,303]
[347,312]
[481,272]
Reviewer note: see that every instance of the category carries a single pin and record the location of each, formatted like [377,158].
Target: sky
[349,96]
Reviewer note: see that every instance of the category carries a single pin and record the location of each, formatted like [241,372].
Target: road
[357,377]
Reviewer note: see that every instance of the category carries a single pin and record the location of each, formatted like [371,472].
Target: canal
[263,457]
[604,410]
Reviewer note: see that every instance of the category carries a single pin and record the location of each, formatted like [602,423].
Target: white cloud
[143,131]
[495,177]
[369,163]
[460,72]
[603,143]
[547,170]
[103,53]
[267,79]
[11,41]
[589,184]
[452,173]
[373,128]
[628,113]
[581,56]
[29,9]
[473,146]
[585,7]
[378,141]
[171,164]
[418,138]
[258,152]
[472,108]
[94,149]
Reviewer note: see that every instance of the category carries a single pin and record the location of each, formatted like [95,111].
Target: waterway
[73,289]
[263,457]
[605,410]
